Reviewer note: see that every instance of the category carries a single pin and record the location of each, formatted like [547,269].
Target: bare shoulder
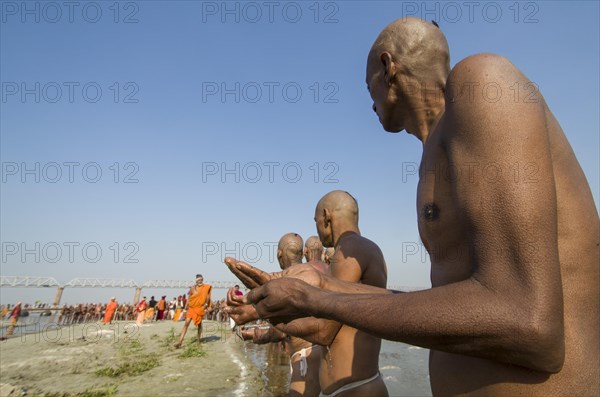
[364,250]
[357,244]
[482,73]
[491,95]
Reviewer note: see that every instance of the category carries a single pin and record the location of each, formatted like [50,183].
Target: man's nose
[374,108]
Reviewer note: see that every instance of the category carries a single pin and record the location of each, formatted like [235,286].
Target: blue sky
[171,101]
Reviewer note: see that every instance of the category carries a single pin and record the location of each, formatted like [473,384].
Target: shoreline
[123,359]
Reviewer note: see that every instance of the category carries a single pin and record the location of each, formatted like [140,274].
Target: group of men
[326,357]
[514,306]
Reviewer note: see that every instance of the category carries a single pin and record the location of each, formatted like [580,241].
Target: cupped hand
[242,314]
[249,275]
[280,298]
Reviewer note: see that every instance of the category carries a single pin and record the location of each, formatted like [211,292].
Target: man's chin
[390,128]
[393,130]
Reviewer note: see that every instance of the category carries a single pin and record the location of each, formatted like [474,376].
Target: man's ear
[388,66]
[279,253]
[326,216]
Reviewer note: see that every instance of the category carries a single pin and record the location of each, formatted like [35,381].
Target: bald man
[305,357]
[328,255]
[514,308]
[313,252]
[350,364]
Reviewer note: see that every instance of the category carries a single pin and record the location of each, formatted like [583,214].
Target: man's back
[557,241]
[354,354]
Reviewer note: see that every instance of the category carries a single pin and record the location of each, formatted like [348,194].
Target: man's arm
[260,335]
[352,260]
[511,308]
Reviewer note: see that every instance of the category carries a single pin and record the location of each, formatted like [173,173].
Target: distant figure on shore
[178,308]
[141,311]
[172,308]
[236,292]
[199,300]
[110,310]
[151,309]
[14,317]
[161,307]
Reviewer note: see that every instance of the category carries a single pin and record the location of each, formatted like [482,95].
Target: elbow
[546,347]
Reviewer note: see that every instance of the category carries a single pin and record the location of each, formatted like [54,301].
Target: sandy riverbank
[126,360]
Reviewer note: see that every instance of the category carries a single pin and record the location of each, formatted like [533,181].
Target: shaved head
[336,211]
[407,69]
[342,203]
[313,249]
[290,250]
[417,46]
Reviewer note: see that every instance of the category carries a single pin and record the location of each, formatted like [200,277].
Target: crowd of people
[161,310]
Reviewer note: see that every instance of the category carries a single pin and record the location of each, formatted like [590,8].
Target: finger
[233,299]
[255,295]
[262,336]
[229,261]
[239,299]
[244,278]
[259,276]
[242,314]
[248,334]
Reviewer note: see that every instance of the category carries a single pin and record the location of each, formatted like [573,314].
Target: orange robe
[177,314]
[110,311]
[196,303]
[149,313]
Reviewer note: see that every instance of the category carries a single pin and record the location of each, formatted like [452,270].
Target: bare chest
[440,226]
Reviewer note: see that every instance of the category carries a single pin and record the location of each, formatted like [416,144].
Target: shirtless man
[313,252]
[514,257]
[350,364]
[328,255]
[305,357]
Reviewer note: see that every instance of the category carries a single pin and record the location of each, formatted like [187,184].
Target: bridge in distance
[50,282]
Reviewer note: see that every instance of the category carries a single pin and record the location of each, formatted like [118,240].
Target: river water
[404,368]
